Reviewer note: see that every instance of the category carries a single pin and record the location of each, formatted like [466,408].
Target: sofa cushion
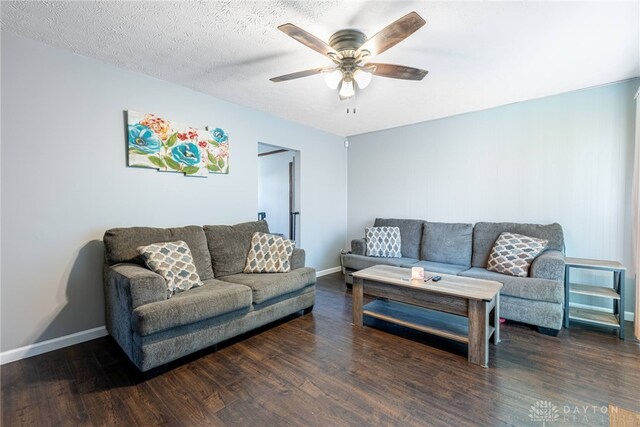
[271,285]
[447,243]
[438,267]
[269,254]
[410,234]
[485,235]
[173,261]
[513,253]
[121,245]
[230,244]
[213,298]
[360,262]
[521,287]
[383,241]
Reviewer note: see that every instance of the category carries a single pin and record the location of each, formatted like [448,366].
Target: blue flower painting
[187,154]
[143,139]
[157,143]
[219,135]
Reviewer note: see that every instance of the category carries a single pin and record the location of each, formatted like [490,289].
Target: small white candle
[417,273]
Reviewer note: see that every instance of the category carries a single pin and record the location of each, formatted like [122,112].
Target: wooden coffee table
[458,308]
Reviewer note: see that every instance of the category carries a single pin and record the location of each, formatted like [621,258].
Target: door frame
[294,219]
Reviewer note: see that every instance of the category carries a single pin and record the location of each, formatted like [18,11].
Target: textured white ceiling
[479,54]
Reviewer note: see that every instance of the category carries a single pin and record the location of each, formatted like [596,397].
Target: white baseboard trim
[328,271]
[50,345]
[628,315]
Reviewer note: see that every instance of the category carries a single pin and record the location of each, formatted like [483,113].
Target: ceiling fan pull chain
[351,104]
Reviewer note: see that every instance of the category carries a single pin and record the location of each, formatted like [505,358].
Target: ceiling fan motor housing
[347,42]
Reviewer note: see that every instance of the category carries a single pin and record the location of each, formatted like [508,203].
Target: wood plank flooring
[318,370]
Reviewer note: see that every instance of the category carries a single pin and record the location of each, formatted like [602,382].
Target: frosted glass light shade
[347,90]
[333,78]
[362,78]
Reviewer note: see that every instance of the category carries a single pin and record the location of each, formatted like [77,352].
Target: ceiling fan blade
[308,40]
[299,74]
[392,34]
[396,71]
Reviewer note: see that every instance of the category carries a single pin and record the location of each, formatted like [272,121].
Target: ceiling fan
[349,49]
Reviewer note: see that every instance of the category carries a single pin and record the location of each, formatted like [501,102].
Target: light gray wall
[65,181]
[566,159]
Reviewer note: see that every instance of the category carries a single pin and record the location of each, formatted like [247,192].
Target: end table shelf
[614,293]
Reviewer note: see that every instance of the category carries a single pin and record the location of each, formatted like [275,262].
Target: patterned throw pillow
[513,253]
[269,254]
[383,241]
[173,261]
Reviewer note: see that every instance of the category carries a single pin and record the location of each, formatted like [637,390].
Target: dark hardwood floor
[318,369]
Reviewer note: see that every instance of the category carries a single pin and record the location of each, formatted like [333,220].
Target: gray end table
[614,293]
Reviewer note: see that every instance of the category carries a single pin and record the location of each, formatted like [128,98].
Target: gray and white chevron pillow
[174,262]
[383,241]
[513,254]
[269,254]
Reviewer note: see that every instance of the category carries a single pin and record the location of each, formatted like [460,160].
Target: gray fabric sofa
[153,330]
[463,249]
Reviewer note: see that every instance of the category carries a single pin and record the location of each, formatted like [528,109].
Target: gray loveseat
[463,249]
[153,330]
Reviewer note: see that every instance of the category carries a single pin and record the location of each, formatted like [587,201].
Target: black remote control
[436,278]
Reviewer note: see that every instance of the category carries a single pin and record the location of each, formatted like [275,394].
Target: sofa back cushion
[121,245]
[447,242]
[485,235]
[410,234]
[229,245]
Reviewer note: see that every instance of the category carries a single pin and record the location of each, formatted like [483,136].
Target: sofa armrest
[143,285]
[548,265]
[359,247]
[297,258]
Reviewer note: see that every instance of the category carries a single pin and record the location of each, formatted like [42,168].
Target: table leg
[621,284]
[478,328]
[357,296]
[496,320]
[567,289]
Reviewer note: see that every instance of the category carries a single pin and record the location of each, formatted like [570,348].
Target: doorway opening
[278,190]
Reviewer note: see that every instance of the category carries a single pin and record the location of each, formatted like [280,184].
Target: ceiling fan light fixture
[362,78]
[347,90]
[333,78]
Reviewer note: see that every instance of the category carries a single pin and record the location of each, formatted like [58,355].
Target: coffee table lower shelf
[433,322]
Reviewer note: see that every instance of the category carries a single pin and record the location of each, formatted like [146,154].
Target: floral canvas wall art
[157,143]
